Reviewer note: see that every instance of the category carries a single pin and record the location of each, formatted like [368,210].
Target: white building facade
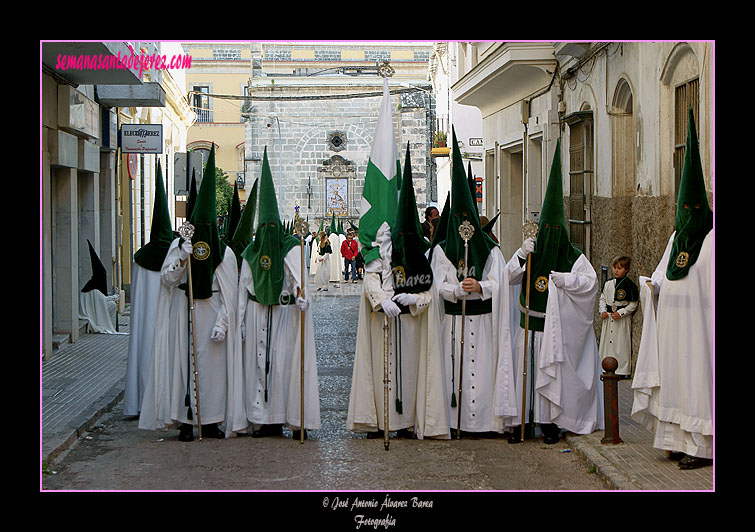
[620,112]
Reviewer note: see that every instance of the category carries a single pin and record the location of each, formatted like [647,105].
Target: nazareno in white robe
[313,254]
[419,383]
[283,404]
[673,379]
[568,389]
[145,291]
[219,363]
[482,346]
[336,264]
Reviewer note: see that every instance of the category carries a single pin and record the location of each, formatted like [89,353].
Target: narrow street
[117,455]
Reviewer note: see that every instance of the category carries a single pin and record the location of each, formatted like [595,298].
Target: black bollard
[611,400]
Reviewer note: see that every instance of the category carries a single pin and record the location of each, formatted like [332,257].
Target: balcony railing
[203,115]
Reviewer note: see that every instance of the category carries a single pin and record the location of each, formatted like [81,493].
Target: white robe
[99,310]
[219,363]
[419,383]
[283,405]
[323,270]
[145,290]
[673,381]
[616,335]
[313,254]
[336,264]
[568,389]
[482,345]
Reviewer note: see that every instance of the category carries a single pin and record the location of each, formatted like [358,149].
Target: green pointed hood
[332,229]
[99,274]
[472,187]
[266,253]
[439,234]
[694,218]
[242,237]
[152,254]
[192,195]
[321,227]
[553,250]
[411,269]
[208,248]
[463,208]
[234,214]
[340,227]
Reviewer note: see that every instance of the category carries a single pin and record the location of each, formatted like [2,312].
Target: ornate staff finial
[466,230]
[529,229]
[301,227]
[186,230]
[385,69]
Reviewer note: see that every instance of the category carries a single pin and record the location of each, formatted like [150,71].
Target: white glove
[405,299]
[243,331]
[459,292]
[390,308]
[218,334]
[528,246]
[185,250]
[302,304]
[558,279]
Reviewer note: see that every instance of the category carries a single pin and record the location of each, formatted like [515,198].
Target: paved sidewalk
[86,380]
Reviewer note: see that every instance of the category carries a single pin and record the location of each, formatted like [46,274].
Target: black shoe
[212,431]
[693,462]
[186,432]
[375,435]
[297,434]
[674,456]
[407,434]
[268,430]
[551,433]
[516,433]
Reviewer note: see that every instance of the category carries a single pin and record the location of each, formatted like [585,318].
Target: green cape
[439,234]
[553,249]
[463,208]
[267,252]
[192,195]
[152,254]
[242,237]
[208,249]
[234,215]
[694,218]
[411,269]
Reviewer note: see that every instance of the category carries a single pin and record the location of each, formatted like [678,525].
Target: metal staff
[466,230]
[302,229]
[386,381]
[530,231]
[187,231]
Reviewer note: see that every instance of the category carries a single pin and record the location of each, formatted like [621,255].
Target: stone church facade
[316,119]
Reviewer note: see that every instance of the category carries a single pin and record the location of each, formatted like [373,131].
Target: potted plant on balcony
[439,139]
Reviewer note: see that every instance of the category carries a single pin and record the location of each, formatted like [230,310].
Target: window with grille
[580,176]
[686,95]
